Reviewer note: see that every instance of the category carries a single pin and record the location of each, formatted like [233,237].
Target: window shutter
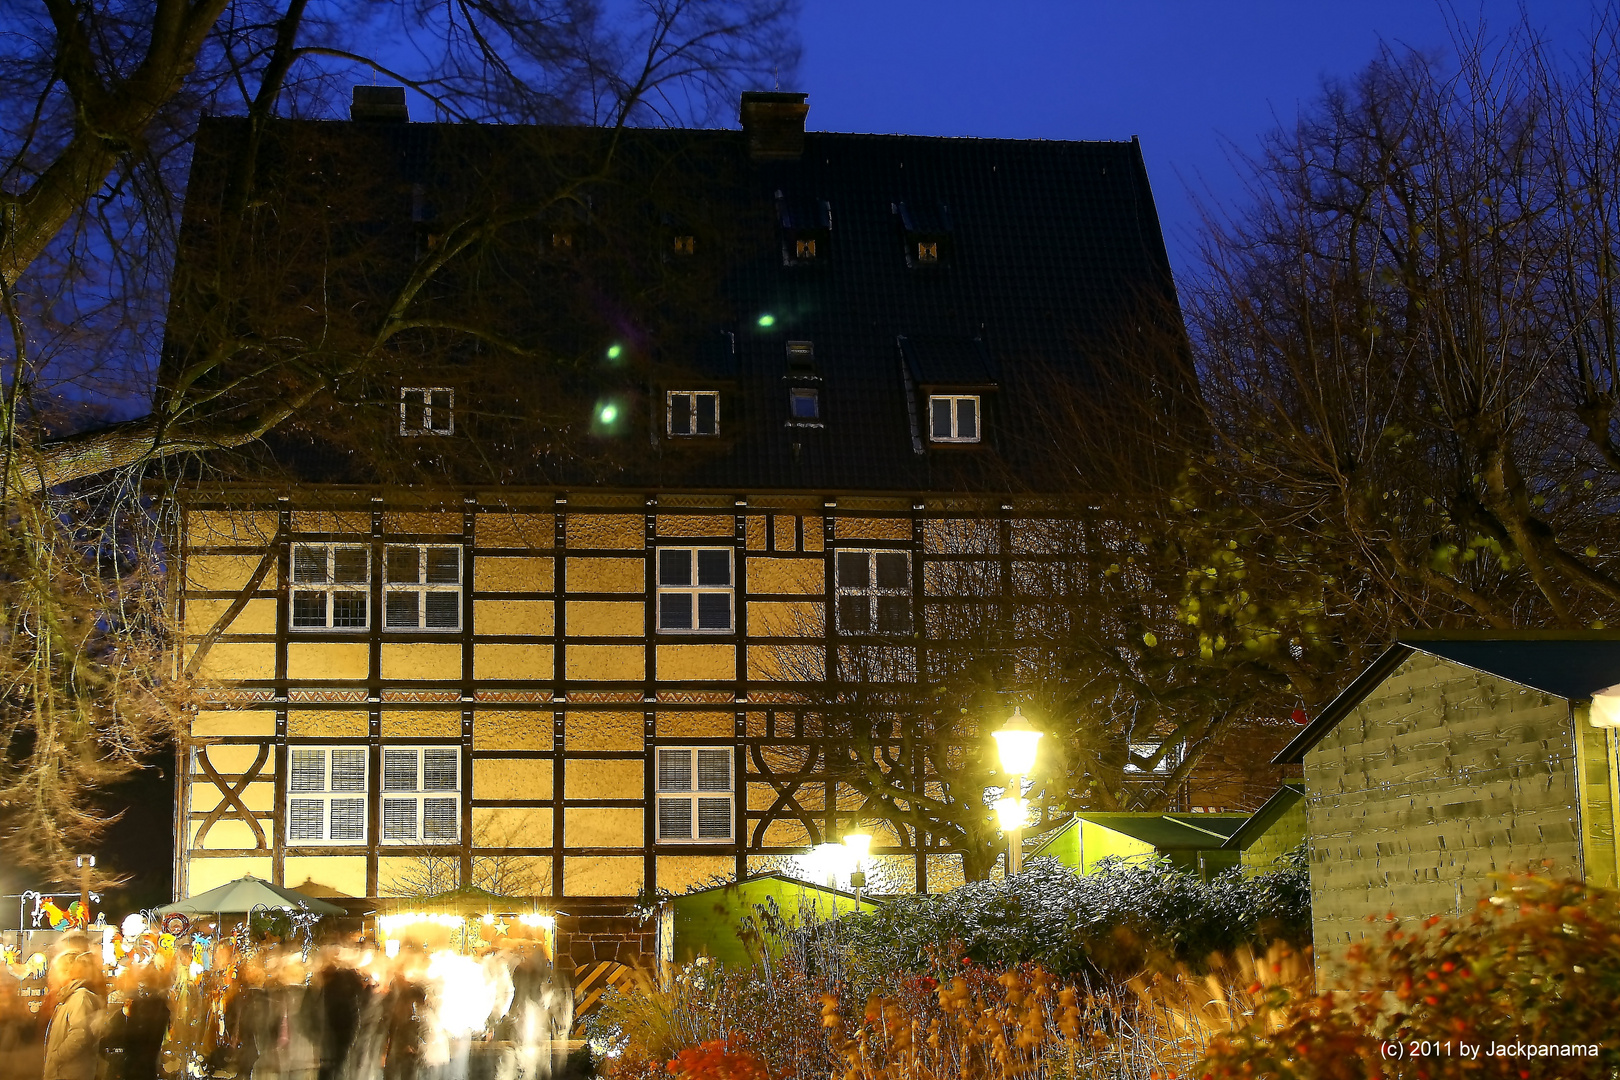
[306,819]
[348,770]
[309,565]
[443,566]
[399,770]
[348,819]
[402,565]
[399,819]
[439,769]
[308,770]
[714,770]
[349,565]
[714,819]
[674,819]
[443,610]
[440,818]
[399,608]
[675,770]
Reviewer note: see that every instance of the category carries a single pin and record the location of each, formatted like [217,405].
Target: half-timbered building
[566,673]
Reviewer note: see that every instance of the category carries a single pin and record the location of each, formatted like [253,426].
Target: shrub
[1538,965]
[1106,923]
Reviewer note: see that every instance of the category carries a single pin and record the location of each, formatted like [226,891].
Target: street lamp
[1015,743]
[859,845]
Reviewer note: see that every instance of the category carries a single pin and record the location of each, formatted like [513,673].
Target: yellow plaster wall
[508,660]
[396,874]
[259,795]
[421,724]
[225,573]
[708,663]
[767,618]
[814,533]
[234,757]
[332,521]
[607,575]
[420,660]
[328,660]
[256,617]
[588,779]
[788,833]
[513,617]
[694,725]
[233,722]
[422,522]
[695,525]
[205,874]
[678,873]
[512,778]
[606,618]
[621,531]
[511,530]
[785,532]
[769,575]
[765,662]
[961,536]
[345,874]
[227,834]
[603,876]
[512,730]
[230,528]
[603,826]
[231,660]
[602,731]
[603,662]
[872,528]
[756,532]
[512,573]
[328,723]
[511,826]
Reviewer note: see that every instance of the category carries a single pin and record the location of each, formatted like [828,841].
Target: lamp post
[1015,743]
[859,844]
[85,863]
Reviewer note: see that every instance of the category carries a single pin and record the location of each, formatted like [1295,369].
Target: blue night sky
[1191,78]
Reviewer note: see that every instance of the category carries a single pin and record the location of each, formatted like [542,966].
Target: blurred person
[246,1019]
[73,1037]
[332,1010]
[404,1011]
[20,1051]
[146,1021]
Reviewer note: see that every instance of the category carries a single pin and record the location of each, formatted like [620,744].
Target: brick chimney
[379,103]
[774,121]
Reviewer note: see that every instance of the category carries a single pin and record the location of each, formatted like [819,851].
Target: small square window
[695,590]
[874,592]
[953,418]
[928,251]
[562,242]
[804,248]
[693,412]
[331,586]
[695,794]
[427,410]
[685,245]
[805,403]
[423,587]
[801,357]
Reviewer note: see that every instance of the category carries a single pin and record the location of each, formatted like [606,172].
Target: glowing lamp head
[767,320]
[859,845]
[1011,813]
[608,413]
[1015,742]
[1606,708]
[615,351]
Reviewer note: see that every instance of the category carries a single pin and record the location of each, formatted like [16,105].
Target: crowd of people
[344,1011]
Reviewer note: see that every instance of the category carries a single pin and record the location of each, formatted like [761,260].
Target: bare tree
[121,372]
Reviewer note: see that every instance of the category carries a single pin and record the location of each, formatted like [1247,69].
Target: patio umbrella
[241,896]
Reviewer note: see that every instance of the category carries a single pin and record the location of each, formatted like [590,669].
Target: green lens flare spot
[608,413]
[767,319]
[615,351]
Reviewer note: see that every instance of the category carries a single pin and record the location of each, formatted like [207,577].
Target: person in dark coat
[146,1021]
[339,997]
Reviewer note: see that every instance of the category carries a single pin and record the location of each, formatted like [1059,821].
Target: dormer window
[806,229]
[928,231]
[427,410]
[804,404]
[928,251]
[804,249]
[953,418]
[562,242]
[693,412]
[801,357]
[685,245]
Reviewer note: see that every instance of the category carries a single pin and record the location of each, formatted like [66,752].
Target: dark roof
[1171,832]
[1571,665]
[1049,243]
[1262,819]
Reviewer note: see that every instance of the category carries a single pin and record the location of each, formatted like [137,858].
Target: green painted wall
[711,922]
[1440,777]
[1280,837]
[1098,842]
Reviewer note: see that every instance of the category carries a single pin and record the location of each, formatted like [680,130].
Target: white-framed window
[421,795]
[1166,765]
[953,417]
[693,412]
[804,404]
[422,587]
[427,410]
[874,592]
[695,590]
[326,795]
[694,795]
[331,586]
